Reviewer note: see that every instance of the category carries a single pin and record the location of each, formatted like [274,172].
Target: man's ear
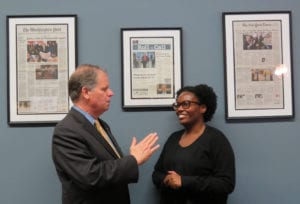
[85,92]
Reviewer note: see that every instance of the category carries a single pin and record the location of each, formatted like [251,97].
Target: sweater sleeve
[159,172]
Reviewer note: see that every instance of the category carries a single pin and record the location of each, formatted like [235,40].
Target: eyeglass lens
[184,104]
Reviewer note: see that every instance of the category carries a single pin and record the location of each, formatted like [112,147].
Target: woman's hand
[173,180]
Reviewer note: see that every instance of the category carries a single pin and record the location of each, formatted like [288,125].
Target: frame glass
[152,67]
[41,57]
[258,65]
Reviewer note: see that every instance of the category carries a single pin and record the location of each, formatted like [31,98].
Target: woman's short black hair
[205,95]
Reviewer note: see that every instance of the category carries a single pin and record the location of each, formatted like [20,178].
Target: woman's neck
[195,128]
[190,135]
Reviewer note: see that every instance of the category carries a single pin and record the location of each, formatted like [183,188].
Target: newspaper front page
[42,69]
[152,68]
[258,51]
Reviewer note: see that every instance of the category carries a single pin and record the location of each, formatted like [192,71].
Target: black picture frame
[258,64]
[41,55]
[151,67]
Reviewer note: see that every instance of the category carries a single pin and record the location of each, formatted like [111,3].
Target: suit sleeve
[76,162]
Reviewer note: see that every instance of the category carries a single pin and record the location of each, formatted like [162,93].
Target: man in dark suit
[92,169]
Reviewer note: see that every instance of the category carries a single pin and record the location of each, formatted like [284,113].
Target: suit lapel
[93,131]
[107,129]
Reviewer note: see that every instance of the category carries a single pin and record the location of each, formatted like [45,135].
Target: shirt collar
[85,114]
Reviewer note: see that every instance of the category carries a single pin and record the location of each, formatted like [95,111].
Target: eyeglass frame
[184,104]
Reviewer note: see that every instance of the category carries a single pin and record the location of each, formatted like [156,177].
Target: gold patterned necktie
[105,136]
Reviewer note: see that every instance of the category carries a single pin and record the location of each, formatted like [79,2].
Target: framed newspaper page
[41,57]
[258,65]
[151,67]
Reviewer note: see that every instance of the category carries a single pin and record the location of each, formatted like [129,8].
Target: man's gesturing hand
[143,150]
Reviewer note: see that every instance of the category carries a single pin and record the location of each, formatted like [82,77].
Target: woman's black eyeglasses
[184,104]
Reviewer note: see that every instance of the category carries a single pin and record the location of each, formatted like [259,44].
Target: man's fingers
[153,149]
[133,142]
[150,137]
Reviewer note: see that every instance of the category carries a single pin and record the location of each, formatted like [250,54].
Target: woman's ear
[203,108]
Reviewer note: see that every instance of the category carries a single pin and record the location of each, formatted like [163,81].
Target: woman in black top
[196,164]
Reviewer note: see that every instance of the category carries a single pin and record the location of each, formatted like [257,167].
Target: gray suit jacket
[87,166]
